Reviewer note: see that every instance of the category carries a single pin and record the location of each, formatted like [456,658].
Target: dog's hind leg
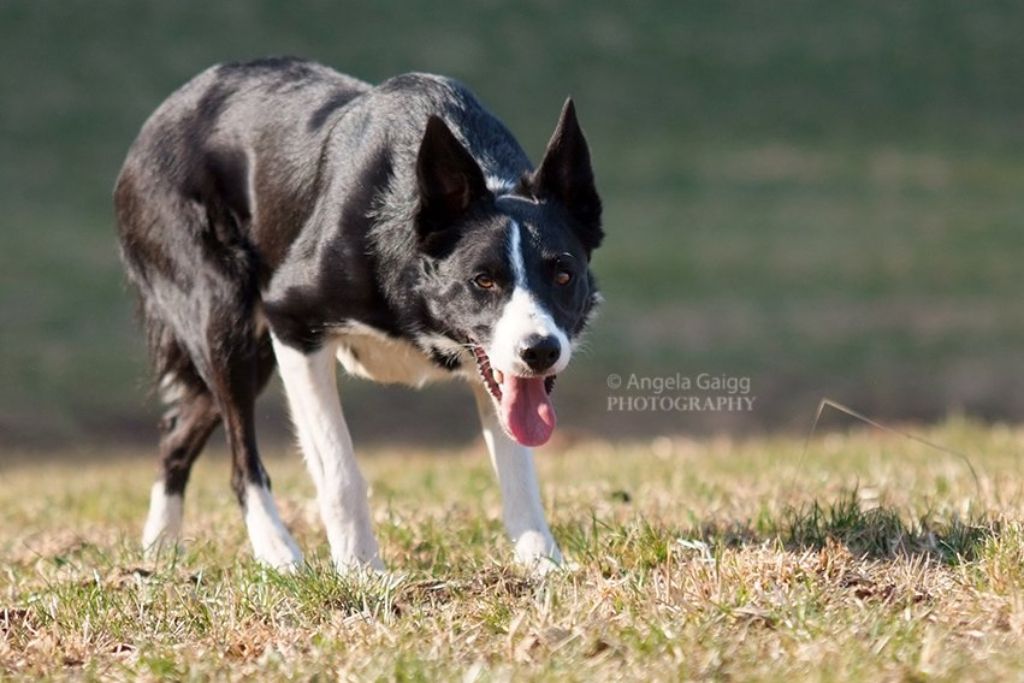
[242,366]
[185,429]
[188,422]
[535,548]
[217,381]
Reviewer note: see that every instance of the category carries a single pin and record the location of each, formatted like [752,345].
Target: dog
[276,213]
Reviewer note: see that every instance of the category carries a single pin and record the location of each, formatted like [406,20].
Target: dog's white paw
[354,548]
[281,554]
[163,523]
[358,556]
[355,565]
[538,553]
[272,545]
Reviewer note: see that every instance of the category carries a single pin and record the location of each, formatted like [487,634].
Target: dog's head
[506,270]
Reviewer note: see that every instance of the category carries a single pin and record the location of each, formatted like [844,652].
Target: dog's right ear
[449,178]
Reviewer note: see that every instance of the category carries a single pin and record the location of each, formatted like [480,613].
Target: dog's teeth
[498,377]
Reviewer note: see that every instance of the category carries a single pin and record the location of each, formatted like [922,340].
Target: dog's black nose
[540,353]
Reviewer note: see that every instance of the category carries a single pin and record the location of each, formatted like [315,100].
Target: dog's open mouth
[523,403]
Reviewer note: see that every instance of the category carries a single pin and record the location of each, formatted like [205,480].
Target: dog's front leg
[312,389]
[535,548]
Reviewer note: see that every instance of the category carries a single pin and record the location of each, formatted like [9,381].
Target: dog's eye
[484,281]
[562,277]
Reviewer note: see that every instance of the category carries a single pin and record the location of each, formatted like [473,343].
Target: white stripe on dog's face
[523,317]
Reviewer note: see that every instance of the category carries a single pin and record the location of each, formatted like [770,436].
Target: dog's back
[198,152]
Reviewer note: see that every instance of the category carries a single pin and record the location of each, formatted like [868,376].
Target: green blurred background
[825,197]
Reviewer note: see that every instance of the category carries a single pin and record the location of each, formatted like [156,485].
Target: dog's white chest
[368,353]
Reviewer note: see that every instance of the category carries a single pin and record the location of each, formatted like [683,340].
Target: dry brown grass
[868,558]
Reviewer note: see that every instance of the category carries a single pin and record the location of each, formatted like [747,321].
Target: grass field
[866,557]
[824,197]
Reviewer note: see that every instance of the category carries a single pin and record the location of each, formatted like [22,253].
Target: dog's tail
[147,270]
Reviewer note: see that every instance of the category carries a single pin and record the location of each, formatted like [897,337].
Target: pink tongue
[526,410]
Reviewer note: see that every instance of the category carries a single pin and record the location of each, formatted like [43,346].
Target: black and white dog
[277,212]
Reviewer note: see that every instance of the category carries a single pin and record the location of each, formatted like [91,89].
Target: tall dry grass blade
[827,402]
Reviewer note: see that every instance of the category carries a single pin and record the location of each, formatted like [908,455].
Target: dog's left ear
[449,178]
[565,174]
